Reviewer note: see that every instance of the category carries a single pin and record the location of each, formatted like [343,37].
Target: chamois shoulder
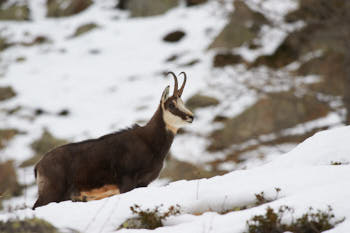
[126,130]
[108,136]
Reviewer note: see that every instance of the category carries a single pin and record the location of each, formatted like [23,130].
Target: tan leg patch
[97,194]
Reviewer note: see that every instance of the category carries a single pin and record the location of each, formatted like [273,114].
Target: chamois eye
[171,105]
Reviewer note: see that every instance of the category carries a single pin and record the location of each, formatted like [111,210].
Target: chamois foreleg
[128,183]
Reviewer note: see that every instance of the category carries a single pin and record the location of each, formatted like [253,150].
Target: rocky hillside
[263,76]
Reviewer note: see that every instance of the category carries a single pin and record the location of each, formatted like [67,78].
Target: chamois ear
[165,94]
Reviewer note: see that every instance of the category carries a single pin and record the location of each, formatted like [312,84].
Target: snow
[305,176]
[113,77]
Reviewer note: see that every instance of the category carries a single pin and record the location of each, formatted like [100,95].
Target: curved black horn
[183,84]
[176,86]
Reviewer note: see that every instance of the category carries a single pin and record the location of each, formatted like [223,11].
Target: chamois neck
[156,123]
[156,133]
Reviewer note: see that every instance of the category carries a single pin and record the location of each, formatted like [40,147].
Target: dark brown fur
[128,159]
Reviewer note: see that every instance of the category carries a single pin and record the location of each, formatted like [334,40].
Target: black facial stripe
[175,111]
[178,113]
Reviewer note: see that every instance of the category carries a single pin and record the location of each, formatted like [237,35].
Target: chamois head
[175,114]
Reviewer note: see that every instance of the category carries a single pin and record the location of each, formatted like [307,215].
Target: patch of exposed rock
[6,92]
[85,28]
[201,101]
[9,186]
[174,36]
[62,8]
[326,32]
[271,114]
[146,8]
[12,10]
[180,170]
[243,27]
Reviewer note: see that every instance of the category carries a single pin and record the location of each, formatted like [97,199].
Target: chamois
[115,163]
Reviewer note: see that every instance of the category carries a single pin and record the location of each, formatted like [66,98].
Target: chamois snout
[189,119]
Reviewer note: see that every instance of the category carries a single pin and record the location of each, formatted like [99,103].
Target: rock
[271,114]
[4,44]
[122,4]
[327,32]
[62,8]
[190,63]
[84,29]
[332,69]
[21,59]
[133,223]
[172,58]
[195,2]
[146,8]
[174,36]
[9,185]
[284,55]
[201,101]
[27,225]
[243,27]
[6,93]
[42,145]
[6,135]
[180,170]
[324,31]
[311,11]
[63,112]
[37,41]
[13,11]
[226,58]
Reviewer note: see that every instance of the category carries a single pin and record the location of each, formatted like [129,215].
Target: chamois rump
[115,163]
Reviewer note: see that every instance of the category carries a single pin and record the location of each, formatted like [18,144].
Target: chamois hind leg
[48,191]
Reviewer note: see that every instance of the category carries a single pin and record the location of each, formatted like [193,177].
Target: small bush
[310,222]
[336,163]
[260,199]
[149,218]
[27,226]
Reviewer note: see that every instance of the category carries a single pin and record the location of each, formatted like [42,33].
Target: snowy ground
[112,77]
[305,176]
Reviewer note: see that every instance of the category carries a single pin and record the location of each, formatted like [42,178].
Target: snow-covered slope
[305,175]
[112,77]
